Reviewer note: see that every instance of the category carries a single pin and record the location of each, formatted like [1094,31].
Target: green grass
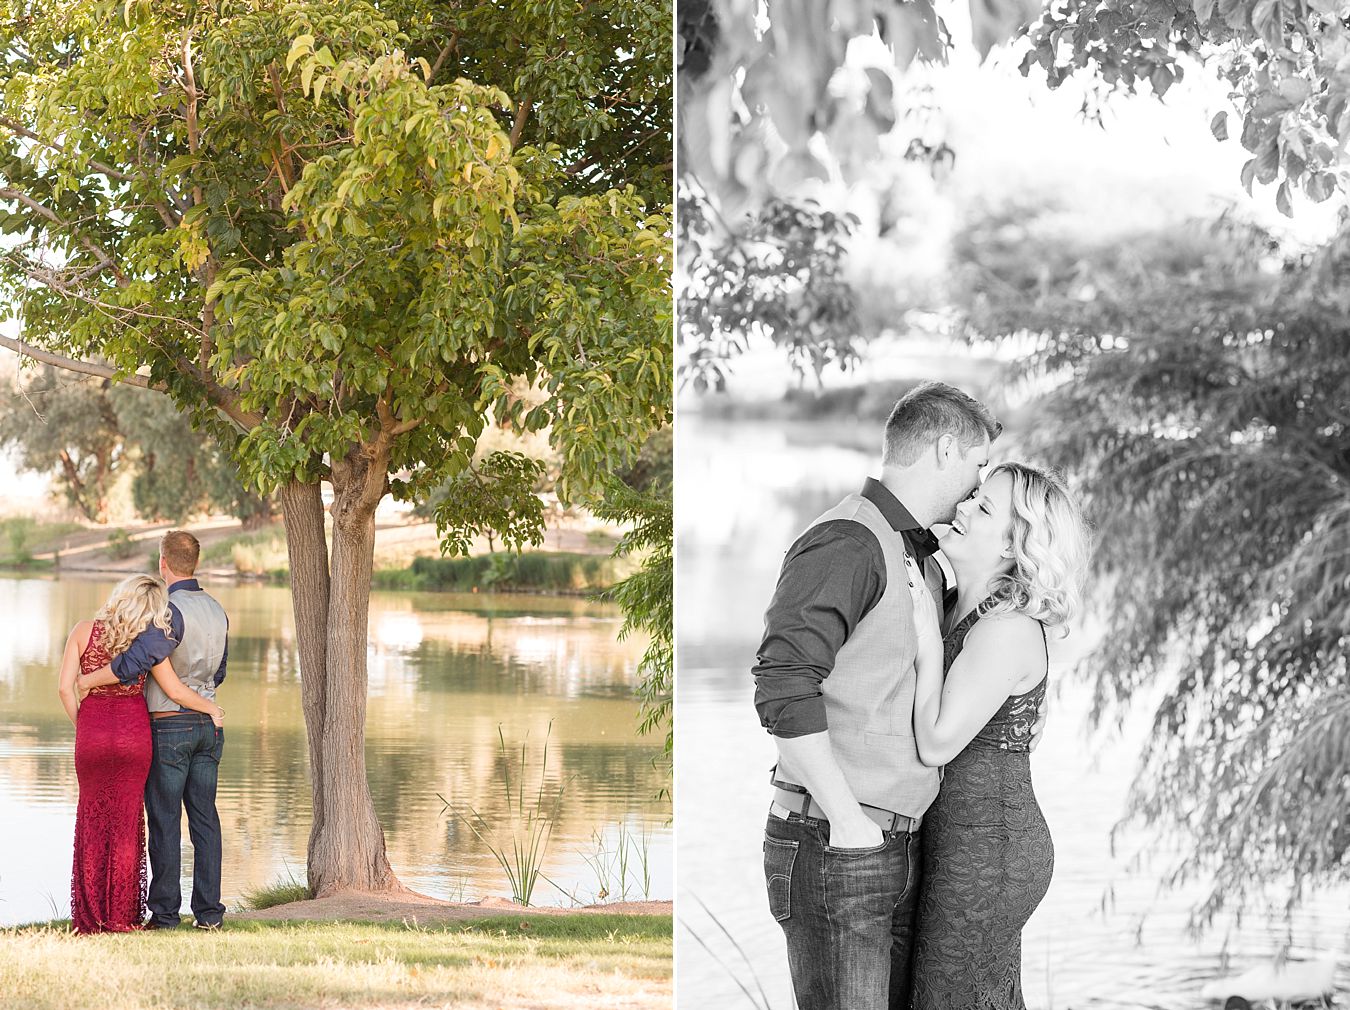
[520,844]
[261,552]
[535,571]
[577,960]
[22,536]
[280,892]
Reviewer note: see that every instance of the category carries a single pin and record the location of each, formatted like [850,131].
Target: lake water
[1106,936]
[446,671]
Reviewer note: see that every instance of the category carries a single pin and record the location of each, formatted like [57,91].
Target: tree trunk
[350,850]
[307,548]
[346,843]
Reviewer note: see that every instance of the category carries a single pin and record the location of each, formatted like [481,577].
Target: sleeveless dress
[987,860]
[112,761]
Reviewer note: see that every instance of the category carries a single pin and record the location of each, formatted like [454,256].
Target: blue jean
[848,914]
[183,773]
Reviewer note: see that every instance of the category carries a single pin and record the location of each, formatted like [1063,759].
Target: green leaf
[1219,126]
[302,45]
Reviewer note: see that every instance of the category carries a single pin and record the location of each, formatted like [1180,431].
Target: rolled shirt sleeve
[832,577]
[148,649]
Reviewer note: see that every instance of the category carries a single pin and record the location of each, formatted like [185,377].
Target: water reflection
[445,672]
[1106,936]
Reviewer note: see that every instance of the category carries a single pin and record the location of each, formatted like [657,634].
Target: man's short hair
[180,551]
[929,411]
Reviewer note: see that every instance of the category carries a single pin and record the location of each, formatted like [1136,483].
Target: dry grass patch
[564,961]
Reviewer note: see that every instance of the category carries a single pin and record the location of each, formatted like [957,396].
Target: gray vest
[197,657]
[869,694]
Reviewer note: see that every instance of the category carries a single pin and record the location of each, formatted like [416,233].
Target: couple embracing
[904,849]
[139,683]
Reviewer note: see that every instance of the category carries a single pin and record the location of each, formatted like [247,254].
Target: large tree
[341,235]
[1199,393]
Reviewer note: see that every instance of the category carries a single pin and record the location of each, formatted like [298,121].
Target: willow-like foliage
[1199,392]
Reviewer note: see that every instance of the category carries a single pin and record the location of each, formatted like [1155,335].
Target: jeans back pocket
[779,856]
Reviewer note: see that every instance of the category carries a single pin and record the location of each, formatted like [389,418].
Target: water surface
[447,672]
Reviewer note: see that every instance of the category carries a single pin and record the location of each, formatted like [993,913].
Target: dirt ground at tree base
[424,910]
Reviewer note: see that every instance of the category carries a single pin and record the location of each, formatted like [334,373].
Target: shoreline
[236,577]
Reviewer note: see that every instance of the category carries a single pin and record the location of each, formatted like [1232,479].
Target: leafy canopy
[292,213]
[1288,62]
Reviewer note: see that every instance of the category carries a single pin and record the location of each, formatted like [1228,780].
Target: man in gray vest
[187,744]
[834,685]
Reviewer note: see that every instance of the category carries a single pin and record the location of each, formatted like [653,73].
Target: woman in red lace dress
[112,757]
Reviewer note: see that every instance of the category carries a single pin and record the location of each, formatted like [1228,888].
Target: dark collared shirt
[832,577]
[152,646]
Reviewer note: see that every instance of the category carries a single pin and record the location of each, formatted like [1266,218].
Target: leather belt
[785,802]
[170,715]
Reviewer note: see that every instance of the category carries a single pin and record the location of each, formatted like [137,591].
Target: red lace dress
[112,760]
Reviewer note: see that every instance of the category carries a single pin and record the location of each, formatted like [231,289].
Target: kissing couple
[139,683]
[904,849]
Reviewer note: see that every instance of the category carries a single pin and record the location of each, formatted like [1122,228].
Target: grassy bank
[263,553]
[509,961]
[538,571]
[22,537]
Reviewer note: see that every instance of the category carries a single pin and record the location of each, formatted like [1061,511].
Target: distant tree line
[87,433]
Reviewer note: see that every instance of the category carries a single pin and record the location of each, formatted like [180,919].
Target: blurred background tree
[90,433]
[61,424]
[178,471]
[1196,383]
[781,105]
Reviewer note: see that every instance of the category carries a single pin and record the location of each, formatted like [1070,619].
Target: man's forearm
[812,760]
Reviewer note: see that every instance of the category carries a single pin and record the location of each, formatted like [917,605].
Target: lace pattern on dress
[112,758]
[95,657]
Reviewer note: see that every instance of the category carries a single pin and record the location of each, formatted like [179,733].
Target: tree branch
[390,426]
[50,278]
[104,259]
[522,114]
[223,399]
[450,47]
[82,367]
[97,166]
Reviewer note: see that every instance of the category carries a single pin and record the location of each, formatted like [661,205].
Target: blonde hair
[135,604]
[1051,544]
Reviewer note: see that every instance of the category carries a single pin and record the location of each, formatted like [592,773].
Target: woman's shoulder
[81,633]
[1014,634]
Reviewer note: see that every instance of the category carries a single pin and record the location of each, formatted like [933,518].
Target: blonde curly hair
[1051,545]
[137,602]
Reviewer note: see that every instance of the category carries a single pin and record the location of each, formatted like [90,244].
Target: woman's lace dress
[112,760]
[987,860]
